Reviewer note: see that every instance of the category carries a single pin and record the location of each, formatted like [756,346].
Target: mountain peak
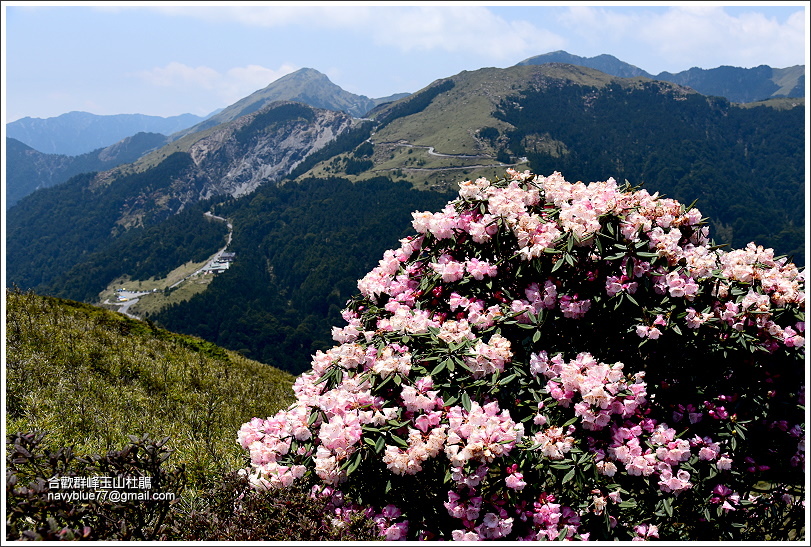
[305,85]
[302,75]
[604,63]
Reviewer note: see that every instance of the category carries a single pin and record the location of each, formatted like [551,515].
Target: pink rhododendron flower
[540,343]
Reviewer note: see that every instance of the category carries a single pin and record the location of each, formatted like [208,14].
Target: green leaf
[570,422]
[466,401]
[355,463]
[568,476]
[379,445]
[398,440]
[507,380]
[385,381]
[440,367]
[668,506]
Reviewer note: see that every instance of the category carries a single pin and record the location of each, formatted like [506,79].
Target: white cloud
[179,75]
[230,86]
[685,36]
[471,29]
[449,28]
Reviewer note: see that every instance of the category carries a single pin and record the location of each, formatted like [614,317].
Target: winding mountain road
[432,151]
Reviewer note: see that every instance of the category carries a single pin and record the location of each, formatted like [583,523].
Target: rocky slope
[231,159]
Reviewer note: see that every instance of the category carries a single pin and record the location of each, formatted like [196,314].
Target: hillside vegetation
[331,197]
[744,166]
[300,249]
[89,377]
[589,126]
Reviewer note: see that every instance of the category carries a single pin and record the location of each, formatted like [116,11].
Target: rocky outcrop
[231,159]
[236,158]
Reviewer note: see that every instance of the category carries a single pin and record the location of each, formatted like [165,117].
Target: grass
[90,377]
[779,103]
[152,303]
[451,124]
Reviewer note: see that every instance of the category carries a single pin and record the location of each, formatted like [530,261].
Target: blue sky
[166,59]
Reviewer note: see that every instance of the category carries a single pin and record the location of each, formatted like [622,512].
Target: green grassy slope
[90,377]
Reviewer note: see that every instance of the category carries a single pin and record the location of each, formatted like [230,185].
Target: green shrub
[42,503]
[547,360]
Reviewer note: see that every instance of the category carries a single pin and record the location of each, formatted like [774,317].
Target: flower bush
[548,360]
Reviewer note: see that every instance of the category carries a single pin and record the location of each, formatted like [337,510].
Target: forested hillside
[50,232]
[300,250]
[143,253]
[744,166]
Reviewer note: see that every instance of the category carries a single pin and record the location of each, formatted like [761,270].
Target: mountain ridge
[28,169]
[305,85]
[75,133]
[740,85]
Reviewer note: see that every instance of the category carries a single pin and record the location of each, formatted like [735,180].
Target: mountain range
[28,169]
[739,85]
[31,166]
[77,133]
[316,194]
